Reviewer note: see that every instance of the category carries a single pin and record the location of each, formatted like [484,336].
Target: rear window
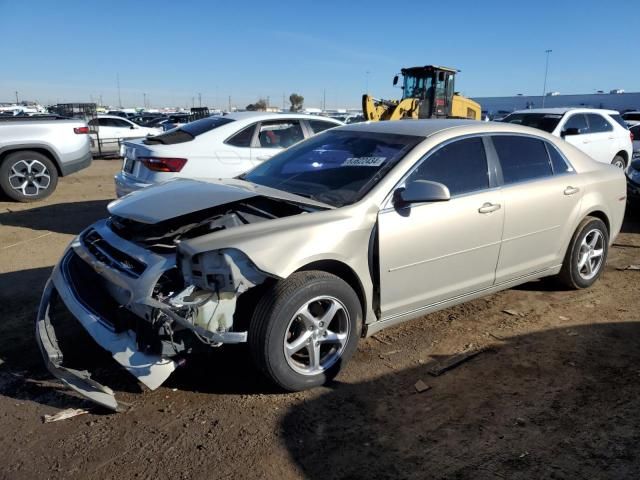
[189,131]
[542,121]
[631,116]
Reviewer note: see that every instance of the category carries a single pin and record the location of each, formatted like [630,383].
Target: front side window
[337,167]
[598,124]
[522,158]
[579,122]
[280,134]
[460,165]
[120,123]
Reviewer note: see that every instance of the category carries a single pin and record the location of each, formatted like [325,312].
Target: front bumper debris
[151,370]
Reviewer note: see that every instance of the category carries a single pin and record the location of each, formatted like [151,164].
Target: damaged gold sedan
[351,231]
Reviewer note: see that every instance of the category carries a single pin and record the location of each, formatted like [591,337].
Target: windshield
[334,167]
[542,121]
[416,87]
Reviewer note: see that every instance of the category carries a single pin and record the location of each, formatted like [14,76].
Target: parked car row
[353,230]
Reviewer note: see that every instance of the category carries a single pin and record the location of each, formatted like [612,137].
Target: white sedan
[214,147]
[112,128]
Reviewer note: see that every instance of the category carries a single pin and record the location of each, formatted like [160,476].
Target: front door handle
[262,158]
[489,207]
[571,190]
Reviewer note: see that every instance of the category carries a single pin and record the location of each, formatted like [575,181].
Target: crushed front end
[129,287]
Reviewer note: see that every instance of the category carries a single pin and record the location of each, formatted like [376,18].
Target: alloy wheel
[317,335]
[29,177]
[591,254]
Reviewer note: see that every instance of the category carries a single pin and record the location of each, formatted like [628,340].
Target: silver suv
[35,151]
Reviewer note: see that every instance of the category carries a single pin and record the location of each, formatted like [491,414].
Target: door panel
[540,207]
[435,251]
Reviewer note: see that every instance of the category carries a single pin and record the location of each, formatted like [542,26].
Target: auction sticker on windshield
[364,161]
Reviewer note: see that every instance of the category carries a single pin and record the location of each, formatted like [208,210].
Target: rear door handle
[489,207]
[571,190]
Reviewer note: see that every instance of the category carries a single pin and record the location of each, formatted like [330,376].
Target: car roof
[429,127]
[112,116]
[563,110]
[276,116]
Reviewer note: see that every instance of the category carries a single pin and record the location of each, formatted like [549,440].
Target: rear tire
[586,256]
[304,329]
[27,176]
[618,161]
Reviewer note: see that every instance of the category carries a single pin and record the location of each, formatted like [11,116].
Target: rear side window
[242,138]
[522,158]
[577,121]
[598,124]
[557,161]
[319,126]
[461,166]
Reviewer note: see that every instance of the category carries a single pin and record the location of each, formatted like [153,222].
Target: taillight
[159,164]
[81,130]
[631,135]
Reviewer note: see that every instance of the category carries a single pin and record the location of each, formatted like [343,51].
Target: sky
[170,51]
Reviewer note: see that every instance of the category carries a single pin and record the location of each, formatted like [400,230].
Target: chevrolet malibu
[354,230]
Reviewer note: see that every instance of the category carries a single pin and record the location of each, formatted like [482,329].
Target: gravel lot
[557,394]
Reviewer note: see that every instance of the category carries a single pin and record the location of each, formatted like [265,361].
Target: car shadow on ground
[67,218]
[559,403]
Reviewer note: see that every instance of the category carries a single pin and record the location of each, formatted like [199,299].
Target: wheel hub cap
[317,335]
[29,177]
[591,254]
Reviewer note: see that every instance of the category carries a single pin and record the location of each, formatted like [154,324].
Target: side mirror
[570,131]
[132,127]
[395,80]
[420,191]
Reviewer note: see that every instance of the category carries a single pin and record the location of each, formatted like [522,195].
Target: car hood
[183,196]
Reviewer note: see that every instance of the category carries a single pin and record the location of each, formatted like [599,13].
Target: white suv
[601,134]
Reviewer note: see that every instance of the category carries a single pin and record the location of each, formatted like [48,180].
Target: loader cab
[433,86]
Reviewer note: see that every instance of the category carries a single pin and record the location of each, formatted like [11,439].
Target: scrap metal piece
[455,360]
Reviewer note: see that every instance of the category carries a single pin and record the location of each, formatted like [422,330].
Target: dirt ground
[556,396]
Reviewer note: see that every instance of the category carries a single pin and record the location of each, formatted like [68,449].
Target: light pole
[144,100]
[200,100]
[546,71]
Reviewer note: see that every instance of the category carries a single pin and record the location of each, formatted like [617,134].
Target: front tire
[618,161]
[587,253]
[27,176]
[305,329]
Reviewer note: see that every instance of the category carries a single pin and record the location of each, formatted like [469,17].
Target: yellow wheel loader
[427,92]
